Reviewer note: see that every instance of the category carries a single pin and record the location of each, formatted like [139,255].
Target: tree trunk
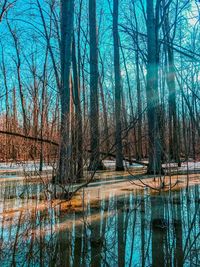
[139,100]
[152,93]
[118,89]
[95,162]
[78,115]
[105,114]
[42,108]
[173,126]
[67,20]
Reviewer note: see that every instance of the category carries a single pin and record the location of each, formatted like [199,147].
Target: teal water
[134,229]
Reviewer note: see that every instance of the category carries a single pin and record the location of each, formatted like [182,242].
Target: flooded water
[135,228]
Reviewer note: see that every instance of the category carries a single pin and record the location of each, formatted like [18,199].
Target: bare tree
[118,89]
[78,114]
[95,162]
[173,125]
[67,21]
[18,66]
[4,7]
[152,89]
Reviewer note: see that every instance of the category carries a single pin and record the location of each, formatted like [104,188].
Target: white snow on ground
[27,166]
[184,166]
[111,164]
[34,166]
[7,170]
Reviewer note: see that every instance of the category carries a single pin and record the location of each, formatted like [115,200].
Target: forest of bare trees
[117,77]
[99,133]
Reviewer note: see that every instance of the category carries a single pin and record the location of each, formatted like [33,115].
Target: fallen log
[38,139]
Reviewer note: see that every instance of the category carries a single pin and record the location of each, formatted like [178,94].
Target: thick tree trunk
[118,89]
[152,93]
[173,125]
[67,20]
[95,162]
[174,147]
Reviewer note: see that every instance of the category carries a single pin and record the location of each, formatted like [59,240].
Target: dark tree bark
[139,101]
[159,232]
[173,125]
[34,87]
[118,89]
[95,162]
[78,115]
[152,92]
[43,108]
[14,123]
[128,144]
[103,101]
[5,5]
[67,21]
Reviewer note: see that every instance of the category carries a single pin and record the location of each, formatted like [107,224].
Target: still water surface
[134,229]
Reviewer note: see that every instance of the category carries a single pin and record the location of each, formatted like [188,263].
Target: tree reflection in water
[136,229]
